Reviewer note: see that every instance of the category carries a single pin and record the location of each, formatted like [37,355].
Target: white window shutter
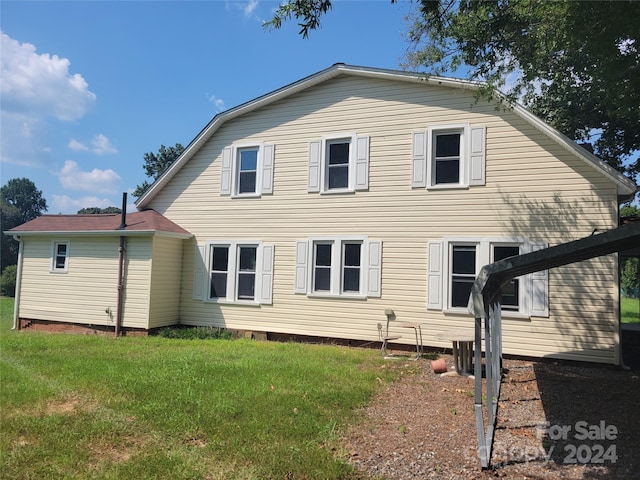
[302,254]
[477,156]
[199,271]
[434,276]
[225,175]
[362,163]
[266,281]
[314,166]
[267,168]
[539,287]
[419,160]
[374,269]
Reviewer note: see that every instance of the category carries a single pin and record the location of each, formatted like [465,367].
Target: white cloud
[217,102]
[66,204]
[100,145]
[36,89]
[41,84]
[100,181]
[248,8]
[76,145]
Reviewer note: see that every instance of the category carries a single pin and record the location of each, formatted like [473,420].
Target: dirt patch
[61,407]
[555,421]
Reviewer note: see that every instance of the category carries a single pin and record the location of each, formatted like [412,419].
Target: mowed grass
[629,310]
[82,406]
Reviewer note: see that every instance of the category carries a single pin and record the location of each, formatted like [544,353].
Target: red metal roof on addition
[146,220]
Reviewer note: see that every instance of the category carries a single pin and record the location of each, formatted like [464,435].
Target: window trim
[324,163]
[233,271]
[235,169]
[54,255]
[463,179]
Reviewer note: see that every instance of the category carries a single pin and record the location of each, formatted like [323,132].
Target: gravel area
[556,420]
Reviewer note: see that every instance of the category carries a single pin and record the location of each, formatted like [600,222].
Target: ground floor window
[234,272]
[454,263]
[338,267]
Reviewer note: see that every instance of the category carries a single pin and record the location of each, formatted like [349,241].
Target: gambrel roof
[625,187]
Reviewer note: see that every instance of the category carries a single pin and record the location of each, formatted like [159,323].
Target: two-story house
[312,209]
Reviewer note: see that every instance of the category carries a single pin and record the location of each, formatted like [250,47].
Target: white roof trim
[100,233]
[625,186]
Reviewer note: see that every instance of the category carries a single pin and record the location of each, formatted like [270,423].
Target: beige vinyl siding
[83,293]
[166,278]
[534,188]
[135,312]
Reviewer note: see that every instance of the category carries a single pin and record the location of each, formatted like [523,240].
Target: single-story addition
[315,208]
[94,271]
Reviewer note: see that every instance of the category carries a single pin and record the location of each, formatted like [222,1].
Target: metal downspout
[120,285]
[121,252]
[16,305]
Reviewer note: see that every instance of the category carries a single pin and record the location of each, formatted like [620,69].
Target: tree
[574,64]
[156,164]
[8,281]
[20,201]
[98,210]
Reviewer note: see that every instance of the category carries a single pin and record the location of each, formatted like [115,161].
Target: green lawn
[630,310]
[82,406]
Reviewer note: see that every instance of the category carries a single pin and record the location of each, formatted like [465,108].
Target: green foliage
[197,333]
[20,201]
[629,211]
[630,277]
[575,64]
[98,210]
[310,11]
[156,164]
[8,281]
[81,406]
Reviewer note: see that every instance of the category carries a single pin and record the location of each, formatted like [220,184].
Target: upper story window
[446,157]
[339,164]
[234,271]
[247,170]
[60,257]
[339,267]
[247,175]
[449,156]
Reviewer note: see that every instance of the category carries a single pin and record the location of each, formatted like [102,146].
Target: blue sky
[89,87]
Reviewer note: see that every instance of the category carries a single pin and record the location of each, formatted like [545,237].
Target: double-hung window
[339,163]
[447,149]
[347,267]
[59,257]
[448,156]
[463,274]
[454,263]
[234,271]
[247,170]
